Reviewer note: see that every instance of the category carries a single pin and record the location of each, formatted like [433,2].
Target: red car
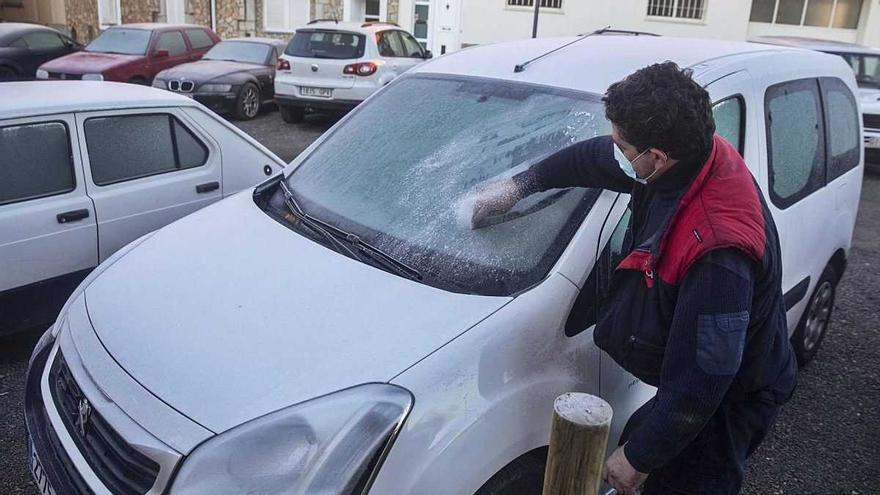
[132,53]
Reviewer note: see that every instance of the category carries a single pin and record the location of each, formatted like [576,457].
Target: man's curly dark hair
[661,106]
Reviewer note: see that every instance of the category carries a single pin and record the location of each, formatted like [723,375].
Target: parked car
[331,65]
[23,47]
[865,62]
[132,53]
[342,328]
[88,168]
[236,76]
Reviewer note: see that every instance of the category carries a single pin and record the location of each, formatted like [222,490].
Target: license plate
[319,92]
[40,479]
[872,142]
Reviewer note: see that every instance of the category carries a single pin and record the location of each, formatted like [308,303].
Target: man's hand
[620,474]
[494,199]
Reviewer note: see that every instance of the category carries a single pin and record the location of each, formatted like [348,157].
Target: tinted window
[796,141]
[410,188]
[127,147]
[326,44]
[19,43]
[121,40]
[842,122]
[173,42]
[729,119]
[35,161]
[43,41]
[199,38]
[240,51]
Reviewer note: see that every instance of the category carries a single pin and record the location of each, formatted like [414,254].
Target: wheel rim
[817,318]
[249,102]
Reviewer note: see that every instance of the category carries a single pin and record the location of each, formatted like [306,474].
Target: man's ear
[660,160]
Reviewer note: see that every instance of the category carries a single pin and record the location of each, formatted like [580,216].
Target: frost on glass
[794,131]
[403,171]
[127,147]
[728,120]
[34,161]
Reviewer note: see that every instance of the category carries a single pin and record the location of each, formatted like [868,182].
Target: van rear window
[326,44]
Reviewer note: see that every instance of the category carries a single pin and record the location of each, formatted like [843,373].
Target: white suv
[255,347]
[331,65]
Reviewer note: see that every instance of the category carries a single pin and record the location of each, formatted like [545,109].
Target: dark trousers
[714,463]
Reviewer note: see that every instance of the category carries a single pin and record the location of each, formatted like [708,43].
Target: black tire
[292,115]
[139,80]
[248,103]
[814,322]
[523,476]
[8,74]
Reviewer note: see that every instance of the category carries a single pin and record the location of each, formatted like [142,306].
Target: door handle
[207,187]
[72,216]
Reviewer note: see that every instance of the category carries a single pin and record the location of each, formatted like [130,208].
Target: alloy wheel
[818,316]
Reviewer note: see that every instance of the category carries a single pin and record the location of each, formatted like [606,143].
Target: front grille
[120,467]
[174,85]
[872,120]
[62,75]
[186,86]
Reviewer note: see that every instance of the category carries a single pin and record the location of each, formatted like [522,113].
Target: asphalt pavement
[826,440]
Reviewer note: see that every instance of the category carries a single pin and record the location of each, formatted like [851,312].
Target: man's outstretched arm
[589,163]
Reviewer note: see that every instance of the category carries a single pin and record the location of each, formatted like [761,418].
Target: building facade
[447,25]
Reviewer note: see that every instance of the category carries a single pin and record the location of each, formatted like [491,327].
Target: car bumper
[316,103]
[218,102]
[872,146]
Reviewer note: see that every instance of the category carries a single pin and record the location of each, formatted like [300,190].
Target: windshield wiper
[334,234]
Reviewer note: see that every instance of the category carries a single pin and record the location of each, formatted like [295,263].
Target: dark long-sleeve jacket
[696,308]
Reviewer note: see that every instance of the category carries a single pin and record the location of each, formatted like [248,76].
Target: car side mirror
[160,53]
[428,54]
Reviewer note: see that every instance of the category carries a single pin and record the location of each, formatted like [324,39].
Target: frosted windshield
[401,173]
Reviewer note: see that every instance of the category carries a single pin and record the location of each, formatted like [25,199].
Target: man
[696,307]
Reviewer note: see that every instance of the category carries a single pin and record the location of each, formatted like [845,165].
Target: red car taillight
[282,64]
[361,69]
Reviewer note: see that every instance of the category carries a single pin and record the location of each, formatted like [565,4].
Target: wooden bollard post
[578,439]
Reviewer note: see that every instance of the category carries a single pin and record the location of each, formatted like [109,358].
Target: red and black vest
[720,208]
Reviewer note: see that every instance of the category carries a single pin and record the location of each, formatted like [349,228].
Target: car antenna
[521,67]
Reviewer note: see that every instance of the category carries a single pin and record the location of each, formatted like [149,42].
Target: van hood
[227,315]
[88,62]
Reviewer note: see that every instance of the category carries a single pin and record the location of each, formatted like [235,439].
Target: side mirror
[428,54]
[160,54]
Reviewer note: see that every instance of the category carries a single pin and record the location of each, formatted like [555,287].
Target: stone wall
[82,19]
[198,12]
[138,10]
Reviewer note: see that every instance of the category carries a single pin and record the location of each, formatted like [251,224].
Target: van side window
[584,312]
[126,147]
[35,161]
[795,140]
[730,120]
[841,115]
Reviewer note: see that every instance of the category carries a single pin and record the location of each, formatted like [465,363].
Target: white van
[248,348]
[87,167]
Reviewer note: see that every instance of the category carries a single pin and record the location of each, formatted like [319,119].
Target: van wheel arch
[523,475]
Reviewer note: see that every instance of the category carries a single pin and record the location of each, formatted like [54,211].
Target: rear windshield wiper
[335,234]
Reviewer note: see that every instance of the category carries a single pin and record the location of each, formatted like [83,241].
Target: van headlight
[325,445]
[92,77]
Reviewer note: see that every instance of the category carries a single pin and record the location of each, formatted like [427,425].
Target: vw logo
[314,67]
[84,412]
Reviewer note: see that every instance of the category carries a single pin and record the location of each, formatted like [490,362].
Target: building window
[843,14]
[545,4]
[108,12]
[284,16]
[372,11]
[679,9]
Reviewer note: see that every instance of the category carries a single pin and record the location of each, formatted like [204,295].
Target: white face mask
[627,165]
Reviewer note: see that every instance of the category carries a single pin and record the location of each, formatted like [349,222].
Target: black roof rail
[324,20]
[628,32]
[373,23]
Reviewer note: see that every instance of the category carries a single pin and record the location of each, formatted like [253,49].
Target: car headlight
[93,77]
[158,83]
[215,88]
[324,445]
[42,74]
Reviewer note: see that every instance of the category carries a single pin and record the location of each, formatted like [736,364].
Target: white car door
[413,51]
[145,168]
[47,222]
